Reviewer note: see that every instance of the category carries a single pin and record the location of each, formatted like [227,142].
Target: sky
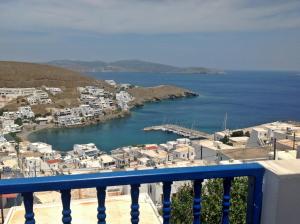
[225,34]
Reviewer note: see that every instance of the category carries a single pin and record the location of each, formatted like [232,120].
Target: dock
[179,130]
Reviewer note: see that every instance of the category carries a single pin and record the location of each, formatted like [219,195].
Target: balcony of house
[273,194]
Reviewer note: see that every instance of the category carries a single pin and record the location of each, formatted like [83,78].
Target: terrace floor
[85,211]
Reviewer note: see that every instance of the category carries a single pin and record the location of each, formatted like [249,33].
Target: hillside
[21,74]
[157,93]
[26,75]
[129,66]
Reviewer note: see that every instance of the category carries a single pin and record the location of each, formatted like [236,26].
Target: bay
[248,97]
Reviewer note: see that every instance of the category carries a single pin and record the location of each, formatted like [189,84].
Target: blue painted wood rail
[64,184]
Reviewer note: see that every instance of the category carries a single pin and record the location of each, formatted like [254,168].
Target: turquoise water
[249,98]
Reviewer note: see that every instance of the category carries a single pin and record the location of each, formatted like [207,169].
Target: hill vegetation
[22,75]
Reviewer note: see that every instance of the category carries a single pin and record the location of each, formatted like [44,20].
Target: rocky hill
[26,75]
[21,74]
[129,66]
[158,93]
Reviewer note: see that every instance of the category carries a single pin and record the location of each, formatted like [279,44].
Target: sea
[247,97]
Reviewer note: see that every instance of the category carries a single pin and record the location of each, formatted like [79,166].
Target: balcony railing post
[166,202]
[226,200]
[134,191]
[66,201]
[197,201]
[250,200]
[258,198]
[101,193]
[28,204]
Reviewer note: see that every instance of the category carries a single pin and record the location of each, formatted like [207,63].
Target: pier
[179,130]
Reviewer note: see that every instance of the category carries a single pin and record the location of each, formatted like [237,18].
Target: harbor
[179,130]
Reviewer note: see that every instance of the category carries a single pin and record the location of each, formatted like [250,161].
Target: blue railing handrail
[134,178]
[63,182]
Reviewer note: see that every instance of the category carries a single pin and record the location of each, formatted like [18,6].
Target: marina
[179,130]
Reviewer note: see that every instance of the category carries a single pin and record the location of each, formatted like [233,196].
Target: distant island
[130,66]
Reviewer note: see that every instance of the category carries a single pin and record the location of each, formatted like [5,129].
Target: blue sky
[228,34]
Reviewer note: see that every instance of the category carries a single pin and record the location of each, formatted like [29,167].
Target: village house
[54,164]
[158,156]
[107,161]
[43,120]
[111,82]
[13,93]
[238,141]
[7,147]
[25,112]
[40,147]
[184,152]
[123,98]
[68,120]
[32,166]
[53,90]
[9,126]
[2,139]
[89,150]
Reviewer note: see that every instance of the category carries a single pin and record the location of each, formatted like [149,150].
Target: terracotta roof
[151,147]
[51,161]
[8,196]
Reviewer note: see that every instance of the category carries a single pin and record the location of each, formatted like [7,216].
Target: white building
[239,141]
[92,91]
[183,141]
[53,164]
[32,166]
[209,149]
[13,93]
[123,98]
[10,115]
[155,191]
[158,156]
[39,97]
[258,138]
[7,146]
[185,152]
[89,149]
[171,144]
[68,120]
[111,82]
[107,162]
[2,139]
[25,112]
[219,135]
[54,90]
[14,128]
[40,147]
[6,122]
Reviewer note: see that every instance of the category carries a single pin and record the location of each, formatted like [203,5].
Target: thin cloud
[149,16]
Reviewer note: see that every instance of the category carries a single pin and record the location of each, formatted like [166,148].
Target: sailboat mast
[225,122]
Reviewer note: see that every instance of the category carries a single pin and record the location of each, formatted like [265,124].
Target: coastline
[29,129]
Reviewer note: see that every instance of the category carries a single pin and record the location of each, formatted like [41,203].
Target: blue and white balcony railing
[64,184]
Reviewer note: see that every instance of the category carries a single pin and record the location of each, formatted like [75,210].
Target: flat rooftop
[246,153]
[282,167]
[85,211]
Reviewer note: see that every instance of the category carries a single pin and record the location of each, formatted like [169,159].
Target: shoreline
[29,129]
